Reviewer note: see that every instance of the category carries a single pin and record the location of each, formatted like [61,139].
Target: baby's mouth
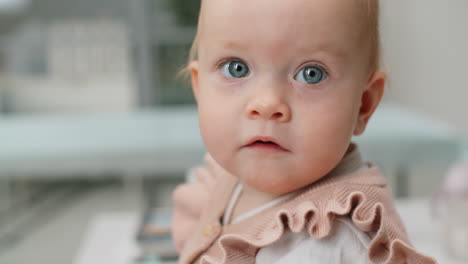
[265,145]
[260,143]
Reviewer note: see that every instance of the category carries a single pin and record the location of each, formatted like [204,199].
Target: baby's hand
[190,199]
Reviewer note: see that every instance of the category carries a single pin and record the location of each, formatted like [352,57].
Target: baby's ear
[193,68]
[370,99]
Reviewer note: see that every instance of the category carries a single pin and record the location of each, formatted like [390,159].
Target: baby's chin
[274,181]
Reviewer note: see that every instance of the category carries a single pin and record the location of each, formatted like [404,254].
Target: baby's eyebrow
[324,49]
[233,45]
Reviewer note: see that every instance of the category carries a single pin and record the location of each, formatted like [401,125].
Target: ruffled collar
[363,196]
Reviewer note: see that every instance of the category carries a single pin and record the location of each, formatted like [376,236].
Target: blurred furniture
[412,150]
[159,141]
[102,244]
[71,65]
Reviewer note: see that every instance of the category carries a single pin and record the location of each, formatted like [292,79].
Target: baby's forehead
[222,9]
[280,21]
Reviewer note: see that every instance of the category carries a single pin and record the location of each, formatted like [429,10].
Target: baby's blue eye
[235,69]
[311,75]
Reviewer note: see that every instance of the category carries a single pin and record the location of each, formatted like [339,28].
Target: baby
[281,88]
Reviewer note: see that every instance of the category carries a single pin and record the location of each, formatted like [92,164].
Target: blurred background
[96,129]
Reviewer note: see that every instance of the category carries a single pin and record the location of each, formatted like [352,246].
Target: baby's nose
[269,109]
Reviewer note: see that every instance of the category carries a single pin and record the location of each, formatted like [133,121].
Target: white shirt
[346,244]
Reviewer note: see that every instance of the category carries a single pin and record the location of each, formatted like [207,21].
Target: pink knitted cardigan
[363,196]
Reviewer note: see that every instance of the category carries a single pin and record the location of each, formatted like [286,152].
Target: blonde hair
[371,15]
[371,19]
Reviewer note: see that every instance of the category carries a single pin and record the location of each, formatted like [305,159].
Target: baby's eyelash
[223,62]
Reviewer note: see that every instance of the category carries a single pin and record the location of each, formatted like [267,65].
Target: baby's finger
[207,158]
[204,176]
[218,170]
[182,227]
[190,198]
[211,164]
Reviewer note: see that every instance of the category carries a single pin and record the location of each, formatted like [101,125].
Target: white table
[102,244]
[156,141]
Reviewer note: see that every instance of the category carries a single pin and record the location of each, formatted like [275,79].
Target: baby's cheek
[218,141]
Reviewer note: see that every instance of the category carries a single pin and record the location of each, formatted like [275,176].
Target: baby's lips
[264,139]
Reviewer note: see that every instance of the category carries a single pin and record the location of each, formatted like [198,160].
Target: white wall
[426,52]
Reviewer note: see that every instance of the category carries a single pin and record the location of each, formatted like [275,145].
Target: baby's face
[281,87]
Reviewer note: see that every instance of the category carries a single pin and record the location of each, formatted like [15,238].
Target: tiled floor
[57,240]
